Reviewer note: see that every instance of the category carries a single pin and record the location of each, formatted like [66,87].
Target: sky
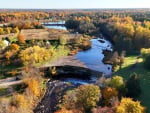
[66,4]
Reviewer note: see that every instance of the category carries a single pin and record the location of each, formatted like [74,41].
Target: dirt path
[7,84]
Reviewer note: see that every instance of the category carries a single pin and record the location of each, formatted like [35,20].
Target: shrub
[127,105]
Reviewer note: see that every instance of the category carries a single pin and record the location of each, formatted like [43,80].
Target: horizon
[74,4]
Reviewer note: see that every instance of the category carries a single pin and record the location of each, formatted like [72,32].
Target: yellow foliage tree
[20,101]
[34,55]
[127,105]
[34,87]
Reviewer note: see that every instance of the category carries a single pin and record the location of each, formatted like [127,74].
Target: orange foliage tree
[21,38]
[108,93]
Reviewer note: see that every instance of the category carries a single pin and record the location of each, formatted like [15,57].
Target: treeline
[128,35]
[6,17]
[17,26]
[83,24]
[55,15]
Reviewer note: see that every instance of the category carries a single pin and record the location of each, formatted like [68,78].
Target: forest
[37,58]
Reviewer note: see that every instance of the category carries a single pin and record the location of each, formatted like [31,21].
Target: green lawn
[143,74]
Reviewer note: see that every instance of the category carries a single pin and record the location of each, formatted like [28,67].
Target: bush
[127,105]
[133,86]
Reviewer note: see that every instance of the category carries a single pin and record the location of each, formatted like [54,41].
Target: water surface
[93,57]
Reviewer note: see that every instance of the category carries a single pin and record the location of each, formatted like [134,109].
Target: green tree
[87,96]
[147,62]
[133,86]
[116,82]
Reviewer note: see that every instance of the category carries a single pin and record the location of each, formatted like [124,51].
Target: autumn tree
[127,105]
[116,82]
[1,31]
[34,87]
[34,55]
[14,47]
[82,98]
[108,93]
[70,99]
[21,38]
[87,96]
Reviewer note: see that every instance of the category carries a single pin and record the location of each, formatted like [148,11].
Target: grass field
[143,74]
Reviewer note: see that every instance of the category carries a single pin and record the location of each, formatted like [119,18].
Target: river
[57,27]
[92,58]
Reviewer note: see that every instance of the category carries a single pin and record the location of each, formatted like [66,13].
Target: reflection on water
[78,81]
[57,27]
[94,56]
